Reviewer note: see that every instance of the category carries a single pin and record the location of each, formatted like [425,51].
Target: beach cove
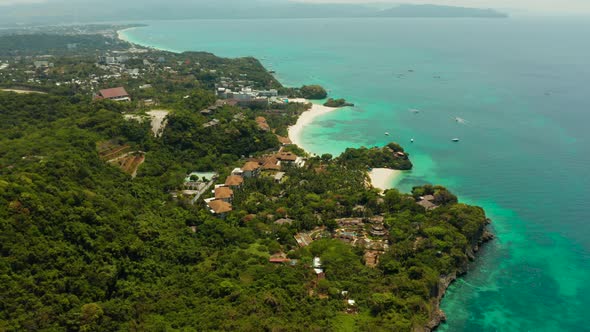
[514,135]
[381,178]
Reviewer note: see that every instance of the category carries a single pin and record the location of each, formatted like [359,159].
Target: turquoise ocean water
[523,87]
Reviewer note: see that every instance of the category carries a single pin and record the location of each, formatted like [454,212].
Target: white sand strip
[296,130]
[384,178]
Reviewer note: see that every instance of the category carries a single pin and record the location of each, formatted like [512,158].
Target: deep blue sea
[523,88]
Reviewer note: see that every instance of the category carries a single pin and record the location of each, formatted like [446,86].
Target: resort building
[211,123]
[234,181]
[116,94]
[271,164]
[268,93]
[289,158]
[427,202]
[279,258]
[378,230]
[251,169]
[238,172]
[218,207]
[303,239]
[224,193]
[279,177]
[317,268]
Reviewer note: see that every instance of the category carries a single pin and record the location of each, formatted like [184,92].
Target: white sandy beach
[296,130]
[384,178]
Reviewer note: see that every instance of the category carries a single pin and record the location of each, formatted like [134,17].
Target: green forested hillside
[84,247]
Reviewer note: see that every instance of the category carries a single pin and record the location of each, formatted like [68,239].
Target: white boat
[455,140]
[461,120]
[386,134]
[412,140]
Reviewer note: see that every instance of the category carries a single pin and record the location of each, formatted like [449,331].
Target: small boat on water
[460,120]
[386,134]
[455,140]
[412,140]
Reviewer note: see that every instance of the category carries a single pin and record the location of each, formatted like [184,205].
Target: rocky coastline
[437,316]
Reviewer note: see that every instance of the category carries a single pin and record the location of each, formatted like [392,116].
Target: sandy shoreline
[384,178]
[296,130]
[381,178]
[121,36]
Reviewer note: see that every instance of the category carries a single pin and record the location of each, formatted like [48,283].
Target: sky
[541,6]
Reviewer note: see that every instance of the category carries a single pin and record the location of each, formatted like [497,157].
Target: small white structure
[317,265]
[279,177]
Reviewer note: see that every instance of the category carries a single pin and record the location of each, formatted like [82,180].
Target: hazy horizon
[514,6]
[42,12]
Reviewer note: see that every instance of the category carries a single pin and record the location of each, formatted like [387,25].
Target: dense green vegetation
[84,247]
[306,91]
[313,92]
[337,103]
[391,156]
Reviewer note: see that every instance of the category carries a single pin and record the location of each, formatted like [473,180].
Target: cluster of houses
[367,233]
[246,96]
[115,63]
[221,202]
[31,69]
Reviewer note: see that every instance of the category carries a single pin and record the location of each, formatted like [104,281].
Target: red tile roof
[113,93]
[279,260]
[271,164]
[219,206]
[251,166]
[234,180]
[287,156]
[223,192]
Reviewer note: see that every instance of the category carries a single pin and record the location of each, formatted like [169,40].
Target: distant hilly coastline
[440,11]
[110,10]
